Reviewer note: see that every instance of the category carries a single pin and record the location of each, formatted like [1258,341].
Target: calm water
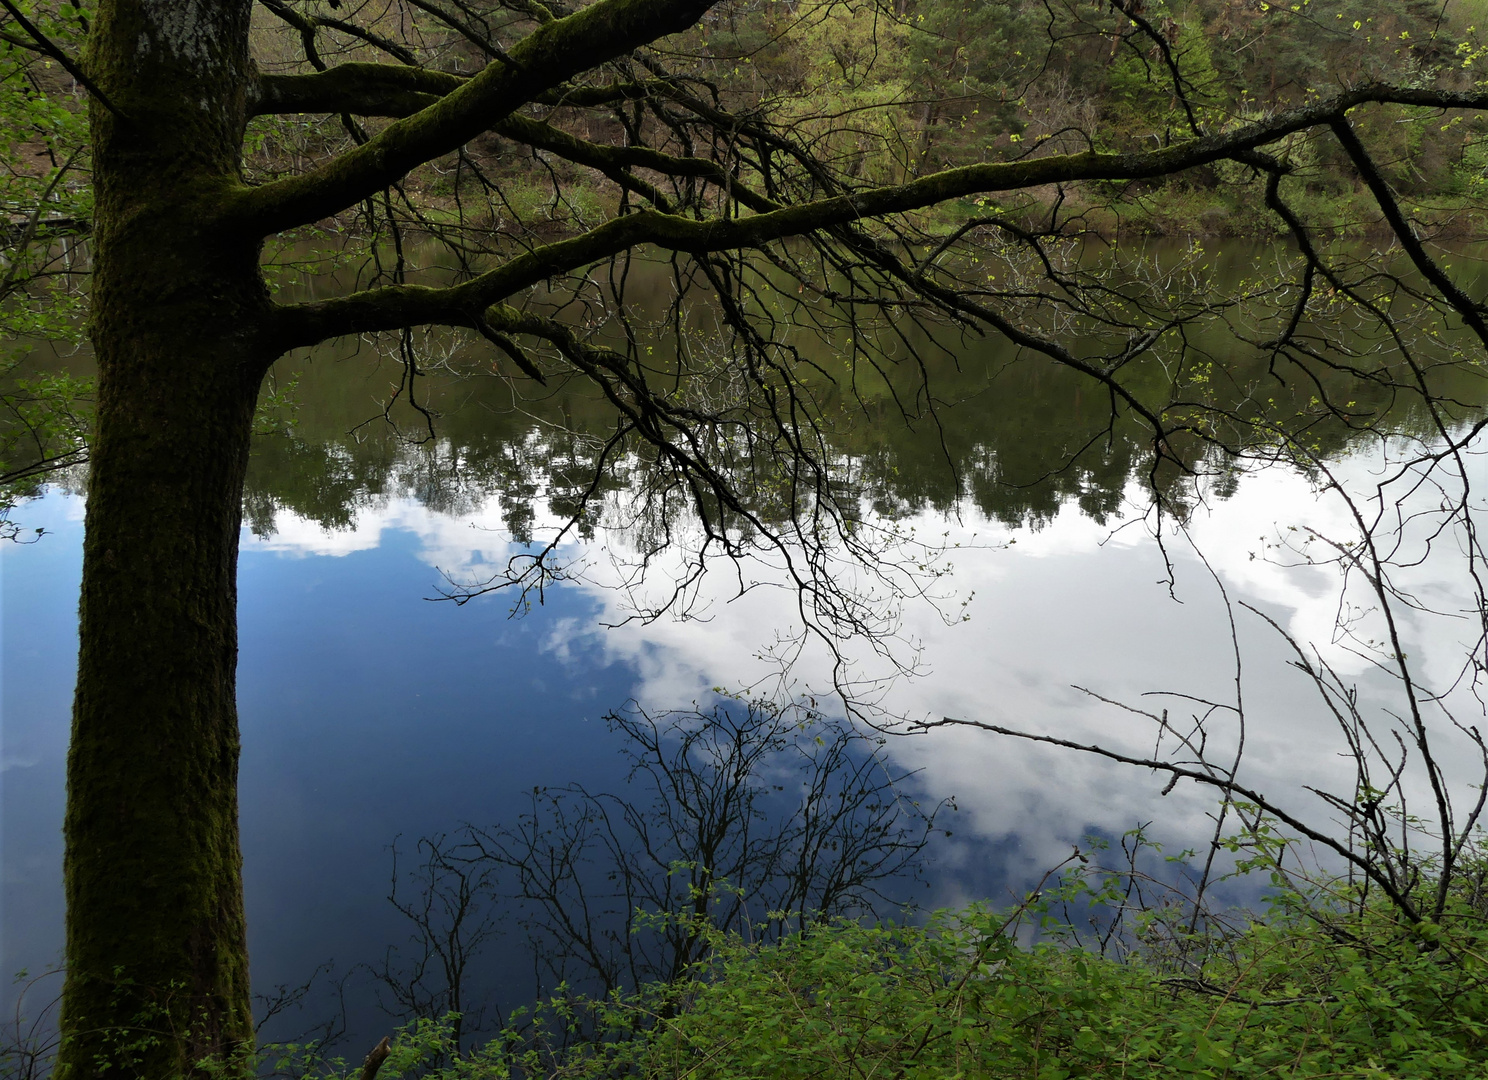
[372,712]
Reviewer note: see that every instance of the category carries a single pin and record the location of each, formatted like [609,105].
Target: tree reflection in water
[748,817]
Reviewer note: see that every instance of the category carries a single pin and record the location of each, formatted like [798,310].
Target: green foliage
[971,64]
[958,997]
[45,193]
[1329,983]
[845,88]
[43,424]
[45,200]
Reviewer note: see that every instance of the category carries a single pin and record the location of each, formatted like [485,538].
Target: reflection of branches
[744,817]
[453,920]
[28,1043]
[774,816]
[274,1009]
[1421,508]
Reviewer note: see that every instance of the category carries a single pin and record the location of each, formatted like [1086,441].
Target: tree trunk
[157,966]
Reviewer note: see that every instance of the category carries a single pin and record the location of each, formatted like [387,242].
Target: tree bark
[157,975]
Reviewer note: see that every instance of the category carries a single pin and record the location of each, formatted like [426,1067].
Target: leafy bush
[1325,985]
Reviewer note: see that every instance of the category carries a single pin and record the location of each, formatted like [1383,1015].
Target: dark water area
[374,711]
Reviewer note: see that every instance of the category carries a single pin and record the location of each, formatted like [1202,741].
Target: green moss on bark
[157,970]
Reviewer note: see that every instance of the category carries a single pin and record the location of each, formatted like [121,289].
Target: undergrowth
[1325,982]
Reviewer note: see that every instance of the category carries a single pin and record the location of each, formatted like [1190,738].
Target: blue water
[372,714]
[39,583]
[367,712]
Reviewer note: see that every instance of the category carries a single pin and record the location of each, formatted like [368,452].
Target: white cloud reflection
[1073,603]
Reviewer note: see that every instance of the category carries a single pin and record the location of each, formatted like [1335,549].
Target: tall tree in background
[703,164]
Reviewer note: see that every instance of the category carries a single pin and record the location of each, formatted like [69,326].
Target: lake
[375,710]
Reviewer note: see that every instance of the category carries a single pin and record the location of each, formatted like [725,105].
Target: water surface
[374,712]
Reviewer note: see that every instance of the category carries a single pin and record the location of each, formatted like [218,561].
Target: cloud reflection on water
[1073,603]
[369,712]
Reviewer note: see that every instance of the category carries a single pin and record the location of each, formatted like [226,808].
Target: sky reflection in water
[370,713]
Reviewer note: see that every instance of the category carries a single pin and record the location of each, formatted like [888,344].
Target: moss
[156,944]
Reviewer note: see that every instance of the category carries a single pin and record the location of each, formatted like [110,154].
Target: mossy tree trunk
[156,954]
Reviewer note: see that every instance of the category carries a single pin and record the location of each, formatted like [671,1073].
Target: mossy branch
[399,90]
[361,89]
[409,305]
[543,61]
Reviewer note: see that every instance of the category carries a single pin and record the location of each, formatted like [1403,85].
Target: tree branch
[361,89]
[1471,312]
[607,159]
[548,57]
[407,305]
[1225,783]
[374,1059]
[50,48]
[394,91]
[307,25]
[399,90]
